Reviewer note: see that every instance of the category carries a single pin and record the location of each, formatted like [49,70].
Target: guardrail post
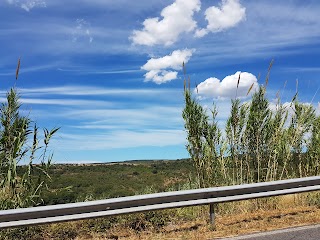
[212,215]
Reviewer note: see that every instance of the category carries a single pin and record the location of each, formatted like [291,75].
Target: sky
[109,73]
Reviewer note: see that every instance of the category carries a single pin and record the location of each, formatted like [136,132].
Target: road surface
[298,233]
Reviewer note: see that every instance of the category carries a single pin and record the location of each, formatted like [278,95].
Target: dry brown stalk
[18,68]
[250,89]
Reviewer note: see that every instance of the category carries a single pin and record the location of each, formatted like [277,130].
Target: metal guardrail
[157,201]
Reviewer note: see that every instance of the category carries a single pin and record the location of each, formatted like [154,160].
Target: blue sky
[109,72]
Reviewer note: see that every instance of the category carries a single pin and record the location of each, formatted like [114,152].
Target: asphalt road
[298,233]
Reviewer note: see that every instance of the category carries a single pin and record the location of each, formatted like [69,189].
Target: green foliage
[204,141]
[301,124]
[312,165]
[97,181]
[235,139]
[21,188]
[257,134]
[259,144]
[35,232]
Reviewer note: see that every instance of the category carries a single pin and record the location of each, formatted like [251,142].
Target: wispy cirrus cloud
[120,139]
[83,90]
[65,102]
[82,31]
[301,69]
[27,5]
[101,124]
[97,71]
[61,102]
[113,127]
[28,69]
[155,116]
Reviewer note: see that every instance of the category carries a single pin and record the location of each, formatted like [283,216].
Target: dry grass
[171,181]
[226,225]
[186,223]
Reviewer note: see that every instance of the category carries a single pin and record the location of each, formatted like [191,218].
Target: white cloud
[230,13]
[173,61]
[63,102]
[120,139]
[318,109]
[227,88]
[28,4]
[28,69]
[80,70]
[274,106]
[289,108]
[177,18]
[161,76]
[158,67]
[85,90]
[156,117]
[107,128]
[81,31]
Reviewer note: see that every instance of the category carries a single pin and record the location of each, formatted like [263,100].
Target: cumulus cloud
[230,13]
[227,88]
[274,106]
[161,70]
[82,30]
[28,4]
[177,18]
[289,108]
[161,76]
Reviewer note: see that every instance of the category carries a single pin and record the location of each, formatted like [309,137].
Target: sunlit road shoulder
[299,233]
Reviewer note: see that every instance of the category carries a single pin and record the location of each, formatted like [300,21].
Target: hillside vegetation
[71,183]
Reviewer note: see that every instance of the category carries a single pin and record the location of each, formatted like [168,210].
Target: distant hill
[82,182]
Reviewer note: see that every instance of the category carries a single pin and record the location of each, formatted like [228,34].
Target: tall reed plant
[21,186]
[260,142]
